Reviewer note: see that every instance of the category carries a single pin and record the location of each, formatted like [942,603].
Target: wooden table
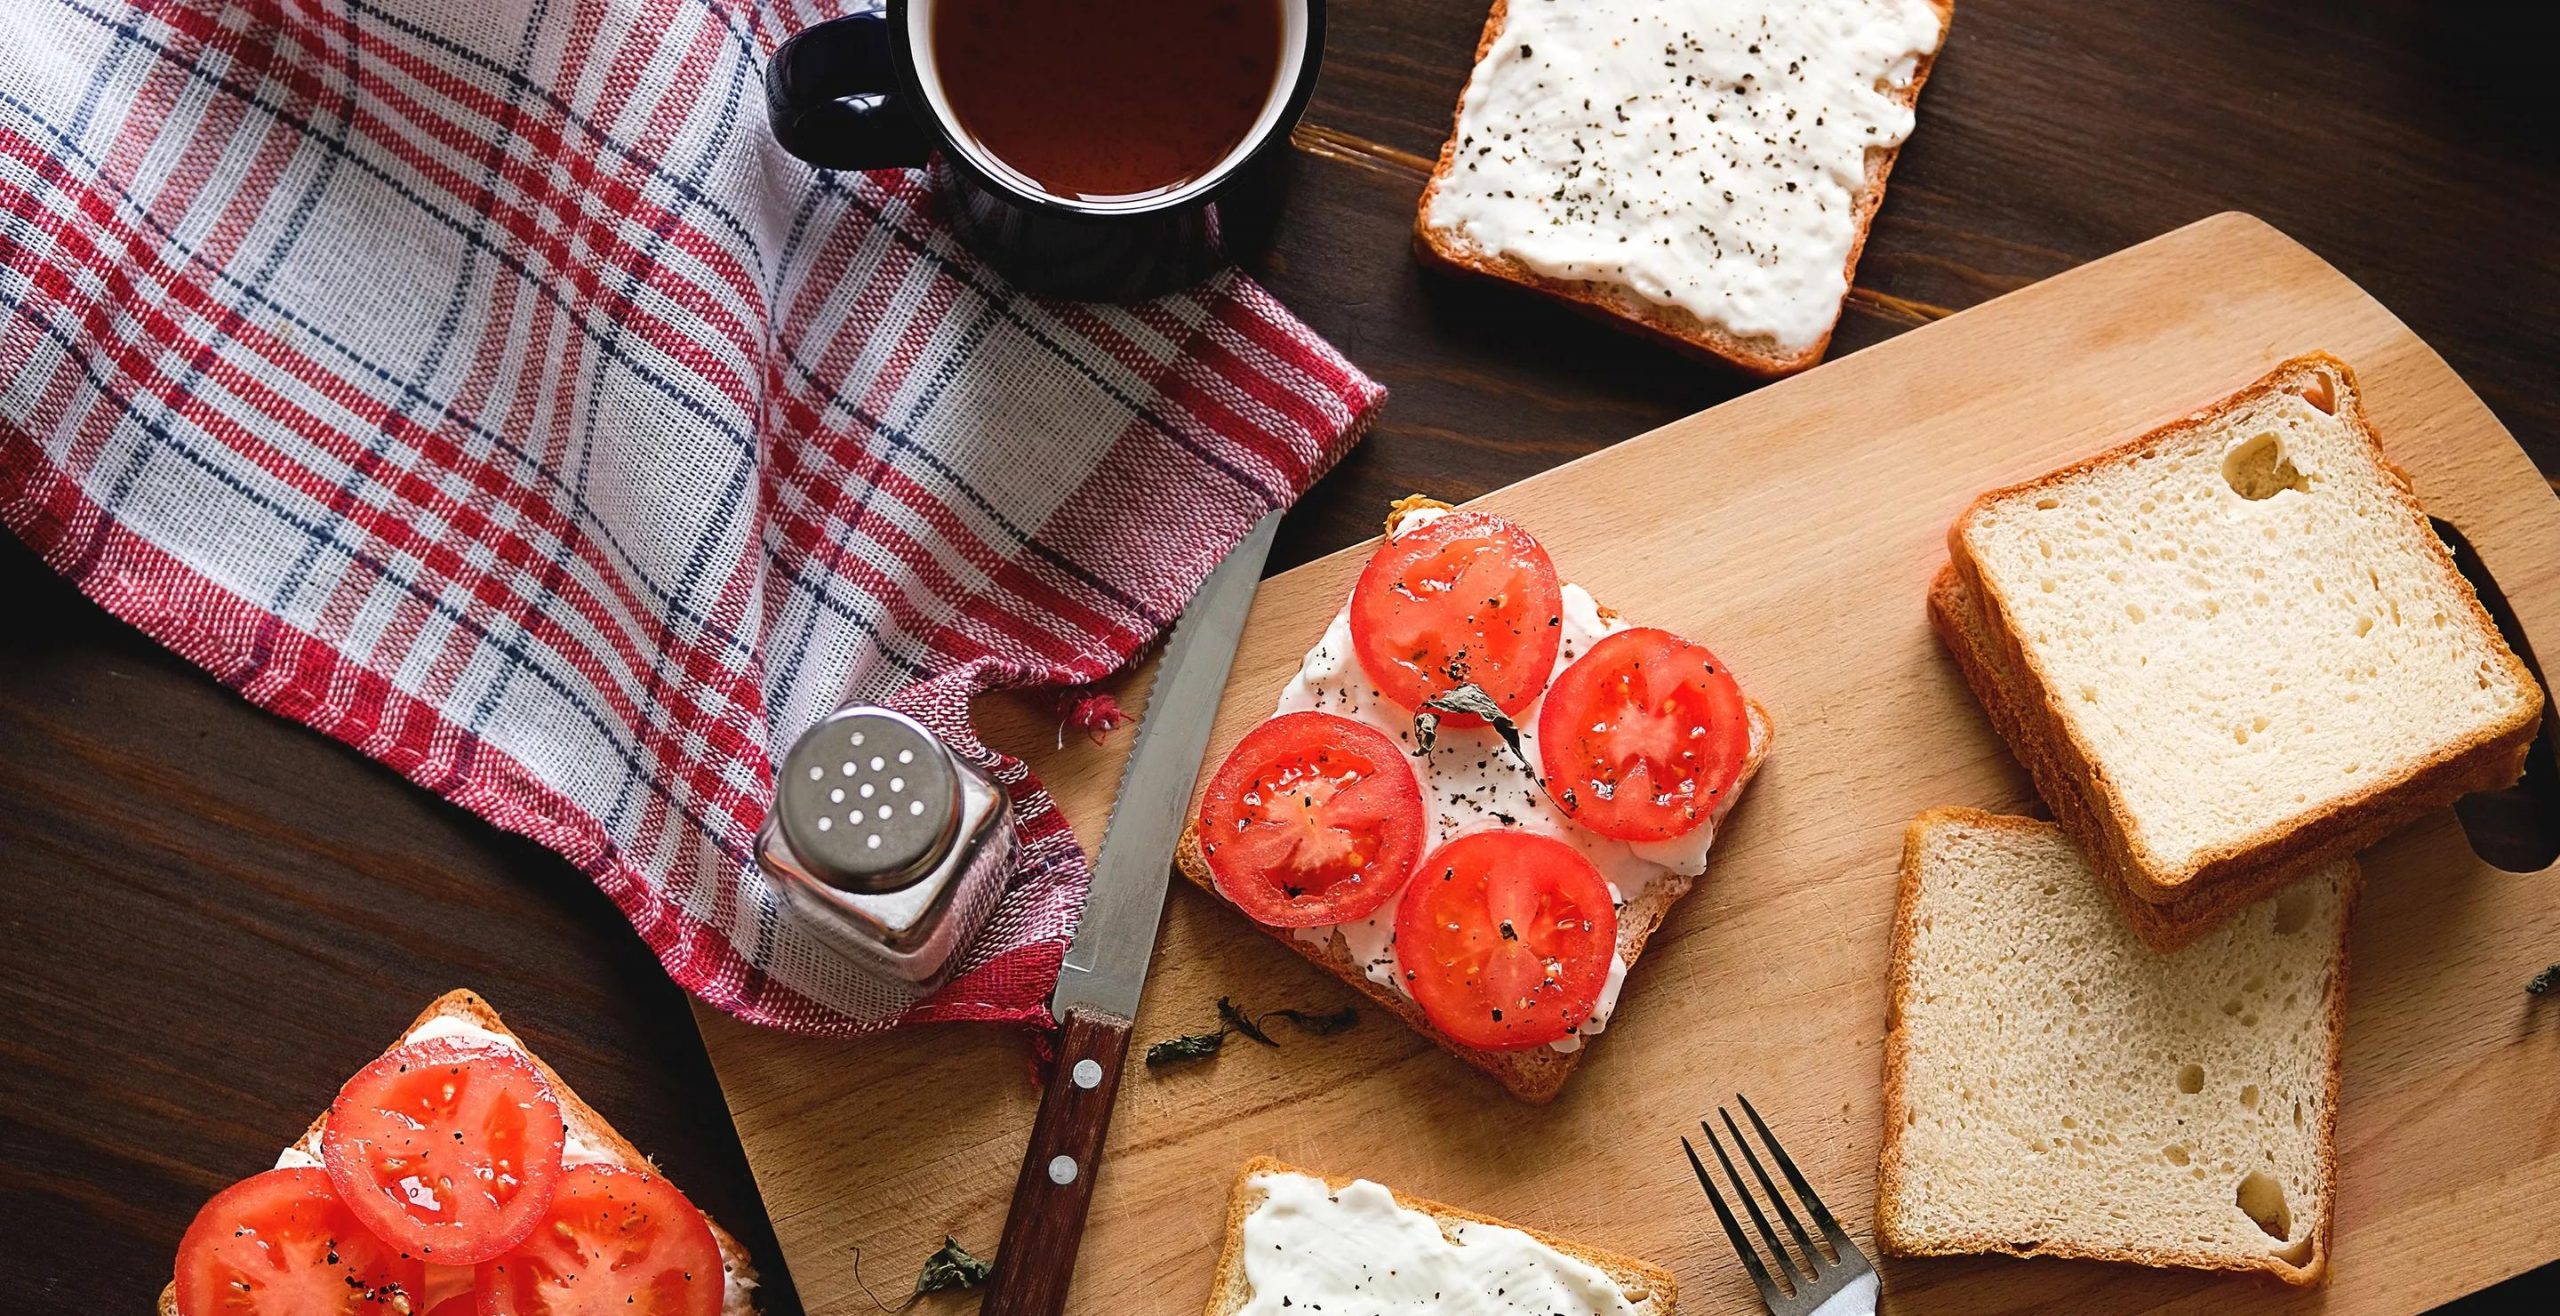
[213,916]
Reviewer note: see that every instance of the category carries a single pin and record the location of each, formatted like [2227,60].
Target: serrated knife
[1096,1001]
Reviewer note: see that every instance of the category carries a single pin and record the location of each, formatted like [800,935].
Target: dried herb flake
[1233,1020]
[1470,699]
[1189,1046]
[950,1267]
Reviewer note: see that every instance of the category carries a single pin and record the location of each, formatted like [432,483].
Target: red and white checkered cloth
[475,381]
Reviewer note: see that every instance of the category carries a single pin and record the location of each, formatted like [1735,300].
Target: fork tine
[1804,1191]
[1813,1257]
[1770,1294]
[1776,1248]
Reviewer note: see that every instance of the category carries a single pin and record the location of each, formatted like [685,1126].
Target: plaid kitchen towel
[476,382]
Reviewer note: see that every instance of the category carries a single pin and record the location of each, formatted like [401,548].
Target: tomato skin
[287,1237]
[448,1148]
[616,1241]
[1467,598]
[1312,819]
[1641,737]
[1505,939]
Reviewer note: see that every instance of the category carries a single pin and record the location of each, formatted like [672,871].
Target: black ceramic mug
[864,92]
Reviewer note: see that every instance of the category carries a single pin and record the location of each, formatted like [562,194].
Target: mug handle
[831,93]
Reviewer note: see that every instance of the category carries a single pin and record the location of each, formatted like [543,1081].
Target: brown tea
[1107,99]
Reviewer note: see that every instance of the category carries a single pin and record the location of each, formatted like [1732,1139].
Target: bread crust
[1623,308]
[1890,1234]
[1533,1074]
[2103,824]
[574,1111]
[1227,1292]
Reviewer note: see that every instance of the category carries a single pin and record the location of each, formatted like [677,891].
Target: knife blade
[1106,964]
[1105,970]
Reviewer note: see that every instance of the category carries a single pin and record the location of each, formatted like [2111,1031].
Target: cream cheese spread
[1471,782]
[1706,155]
[1308,1248]
[737,1291]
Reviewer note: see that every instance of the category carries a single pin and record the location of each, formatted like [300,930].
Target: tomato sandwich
[457,1175]
[1480,794]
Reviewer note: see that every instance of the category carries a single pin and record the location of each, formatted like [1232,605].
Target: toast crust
[1533,1074]
[1890,1235]
[1623,308]
[2104,826]
[1227,1290]
[574,1111]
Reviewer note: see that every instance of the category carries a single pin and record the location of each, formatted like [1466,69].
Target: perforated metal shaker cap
[869,801]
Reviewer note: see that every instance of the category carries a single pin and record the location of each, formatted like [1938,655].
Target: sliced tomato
[282,1243]
[616,1241]
[1641,737]
[1468,598]
[1505,939]
[448,1148]
[461,1304]
[1313,819]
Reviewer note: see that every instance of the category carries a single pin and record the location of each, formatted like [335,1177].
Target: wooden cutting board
[1793,529]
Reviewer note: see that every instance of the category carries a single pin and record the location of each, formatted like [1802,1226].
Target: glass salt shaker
[892,846]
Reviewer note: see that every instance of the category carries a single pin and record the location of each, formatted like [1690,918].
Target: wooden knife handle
[1038,1253]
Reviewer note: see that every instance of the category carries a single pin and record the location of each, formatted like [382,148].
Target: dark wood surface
[214,916]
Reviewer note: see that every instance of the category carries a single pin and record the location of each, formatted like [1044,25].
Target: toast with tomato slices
[584,1123]
[1535,1072]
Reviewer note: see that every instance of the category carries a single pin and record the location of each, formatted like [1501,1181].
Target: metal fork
[1840,1284]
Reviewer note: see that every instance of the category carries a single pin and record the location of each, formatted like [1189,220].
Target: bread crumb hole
[2262,1200]
[2258,469]
[2177,1155]
[2191,1078]
[2249,1096]
[2133,611]
[2047,504]
[2297,1114]
[2321,393]
[2364,627]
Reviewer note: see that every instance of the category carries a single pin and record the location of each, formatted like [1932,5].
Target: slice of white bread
[1534,1073]
[1623,307]
[2241,635]
[584,1126]
[2053,1087]
[1650,1289]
